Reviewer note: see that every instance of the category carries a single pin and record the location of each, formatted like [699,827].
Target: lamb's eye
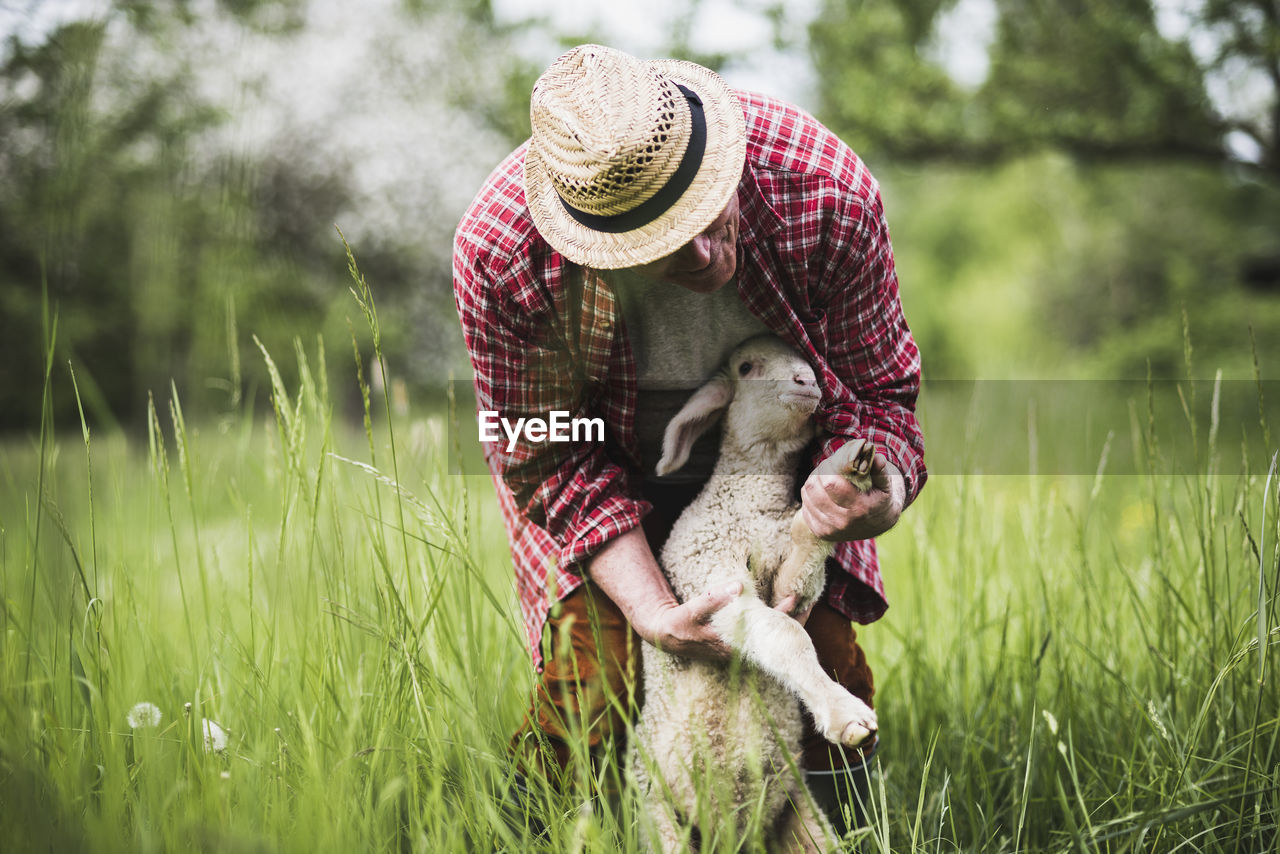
[744,369]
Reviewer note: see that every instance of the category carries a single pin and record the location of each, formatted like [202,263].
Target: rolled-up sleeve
[523,367]
[873,360]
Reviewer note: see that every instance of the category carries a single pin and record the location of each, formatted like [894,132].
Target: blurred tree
[1167,202]
[106,209]
[69,178]
[173,171]
[1096,78]
[877,89]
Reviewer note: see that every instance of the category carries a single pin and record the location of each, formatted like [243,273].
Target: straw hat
[629,159]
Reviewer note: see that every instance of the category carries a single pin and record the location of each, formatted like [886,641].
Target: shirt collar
[757,219]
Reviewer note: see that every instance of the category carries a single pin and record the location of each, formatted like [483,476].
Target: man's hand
[685,630]
[836,510]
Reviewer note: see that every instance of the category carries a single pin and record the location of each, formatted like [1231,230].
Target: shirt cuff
[611,517]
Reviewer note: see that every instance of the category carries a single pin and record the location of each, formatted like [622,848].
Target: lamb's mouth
[801,398]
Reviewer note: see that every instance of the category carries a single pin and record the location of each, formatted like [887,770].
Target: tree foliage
[1165,205]
[171,188]
[1095,78]
[170,184]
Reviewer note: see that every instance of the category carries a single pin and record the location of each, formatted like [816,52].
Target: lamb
[739,724]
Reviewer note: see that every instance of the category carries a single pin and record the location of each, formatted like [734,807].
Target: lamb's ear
[693,419]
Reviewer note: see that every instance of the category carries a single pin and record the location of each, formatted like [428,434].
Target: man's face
[706,263]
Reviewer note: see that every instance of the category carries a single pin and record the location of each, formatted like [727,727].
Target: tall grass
[1070,663]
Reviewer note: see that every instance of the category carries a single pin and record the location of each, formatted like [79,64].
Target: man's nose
[695,254]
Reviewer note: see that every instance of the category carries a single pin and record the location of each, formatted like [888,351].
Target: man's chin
[703,282]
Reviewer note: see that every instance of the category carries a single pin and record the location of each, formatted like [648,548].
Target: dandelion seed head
[215,737]
[144,715]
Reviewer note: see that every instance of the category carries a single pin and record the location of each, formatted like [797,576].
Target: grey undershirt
[679,339]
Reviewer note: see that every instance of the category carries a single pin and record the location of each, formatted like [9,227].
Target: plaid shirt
[814,264]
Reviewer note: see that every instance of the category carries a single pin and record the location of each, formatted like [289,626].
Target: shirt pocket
[814,322]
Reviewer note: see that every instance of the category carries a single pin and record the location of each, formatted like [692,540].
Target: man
[655,219]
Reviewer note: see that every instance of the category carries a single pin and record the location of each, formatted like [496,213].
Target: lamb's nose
[805,379]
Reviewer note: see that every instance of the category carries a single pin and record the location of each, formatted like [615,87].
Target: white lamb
[716,739]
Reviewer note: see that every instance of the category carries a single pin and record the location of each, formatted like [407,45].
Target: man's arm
[626,570]
[873,354]
[574,491]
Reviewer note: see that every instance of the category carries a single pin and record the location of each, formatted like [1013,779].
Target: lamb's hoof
[852,723]
[862,460]
[855,464]
[855,733]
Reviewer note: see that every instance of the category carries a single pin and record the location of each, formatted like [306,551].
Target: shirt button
[606,325]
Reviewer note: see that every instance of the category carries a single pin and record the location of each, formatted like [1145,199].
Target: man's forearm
[626,570]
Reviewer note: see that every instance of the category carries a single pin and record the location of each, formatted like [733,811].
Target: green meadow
[323,618]
[255,594]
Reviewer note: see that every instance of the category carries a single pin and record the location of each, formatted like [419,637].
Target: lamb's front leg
[800,573]
[779,646]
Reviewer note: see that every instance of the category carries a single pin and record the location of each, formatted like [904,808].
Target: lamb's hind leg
[662,832]
[803,828]
[669,838]
[779,646]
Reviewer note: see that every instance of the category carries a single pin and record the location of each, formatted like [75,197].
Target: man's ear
[701,411]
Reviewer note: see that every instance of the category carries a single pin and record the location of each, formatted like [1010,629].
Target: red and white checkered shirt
[814,263]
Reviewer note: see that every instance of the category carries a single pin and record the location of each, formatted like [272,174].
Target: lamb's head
[767,393]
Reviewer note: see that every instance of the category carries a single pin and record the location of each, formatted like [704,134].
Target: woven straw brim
[716,181]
